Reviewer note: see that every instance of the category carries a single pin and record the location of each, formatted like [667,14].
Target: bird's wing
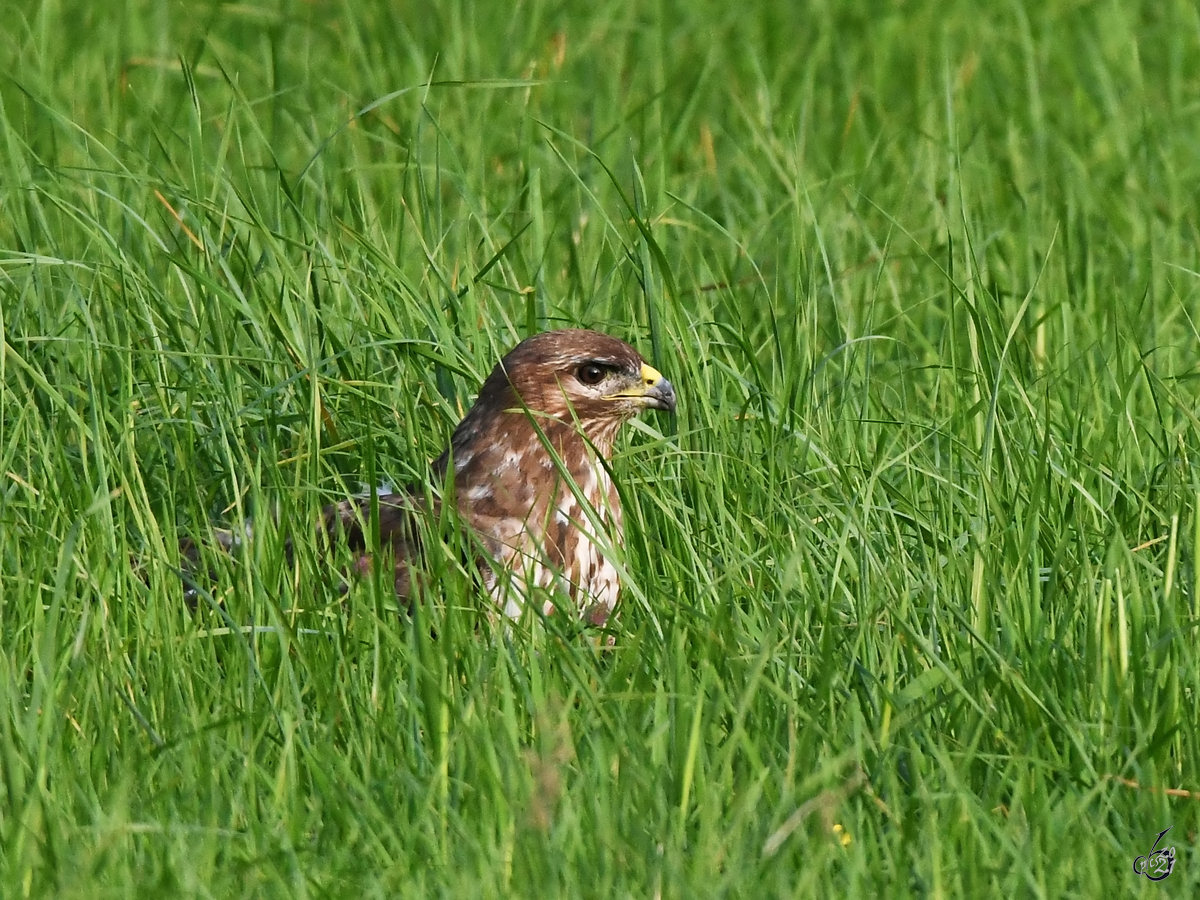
[403,515]
[402,518]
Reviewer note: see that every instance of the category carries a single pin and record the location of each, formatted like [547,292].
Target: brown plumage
[529,475]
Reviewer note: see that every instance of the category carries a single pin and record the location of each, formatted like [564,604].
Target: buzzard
[527,469]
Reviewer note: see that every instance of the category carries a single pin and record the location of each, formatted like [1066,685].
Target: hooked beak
[654,392]
[659,391]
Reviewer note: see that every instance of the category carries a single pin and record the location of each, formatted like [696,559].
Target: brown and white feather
[528,469]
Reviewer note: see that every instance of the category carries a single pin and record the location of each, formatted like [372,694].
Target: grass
[913,577]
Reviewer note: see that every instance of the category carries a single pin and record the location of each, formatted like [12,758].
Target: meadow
[912,579]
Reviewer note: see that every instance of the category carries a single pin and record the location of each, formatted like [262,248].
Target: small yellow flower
[842,834]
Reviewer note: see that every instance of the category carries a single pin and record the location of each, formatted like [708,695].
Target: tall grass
[911,602]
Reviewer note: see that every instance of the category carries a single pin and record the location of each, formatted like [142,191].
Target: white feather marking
[511,460]
[238,537]
[479,492]
[384,487]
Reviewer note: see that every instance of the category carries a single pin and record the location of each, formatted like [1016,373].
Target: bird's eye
[590,374]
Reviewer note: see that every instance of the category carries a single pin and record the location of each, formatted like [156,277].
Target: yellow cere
[650,375]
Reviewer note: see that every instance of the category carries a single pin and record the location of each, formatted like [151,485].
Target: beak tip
[662,393]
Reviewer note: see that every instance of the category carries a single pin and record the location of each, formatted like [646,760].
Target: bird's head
[582,376]
[564,383]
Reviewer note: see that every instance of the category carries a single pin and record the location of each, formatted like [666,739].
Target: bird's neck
[511,463]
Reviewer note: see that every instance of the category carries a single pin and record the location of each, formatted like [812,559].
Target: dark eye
[590,374]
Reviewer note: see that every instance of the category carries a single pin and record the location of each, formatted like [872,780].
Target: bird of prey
[527,469]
